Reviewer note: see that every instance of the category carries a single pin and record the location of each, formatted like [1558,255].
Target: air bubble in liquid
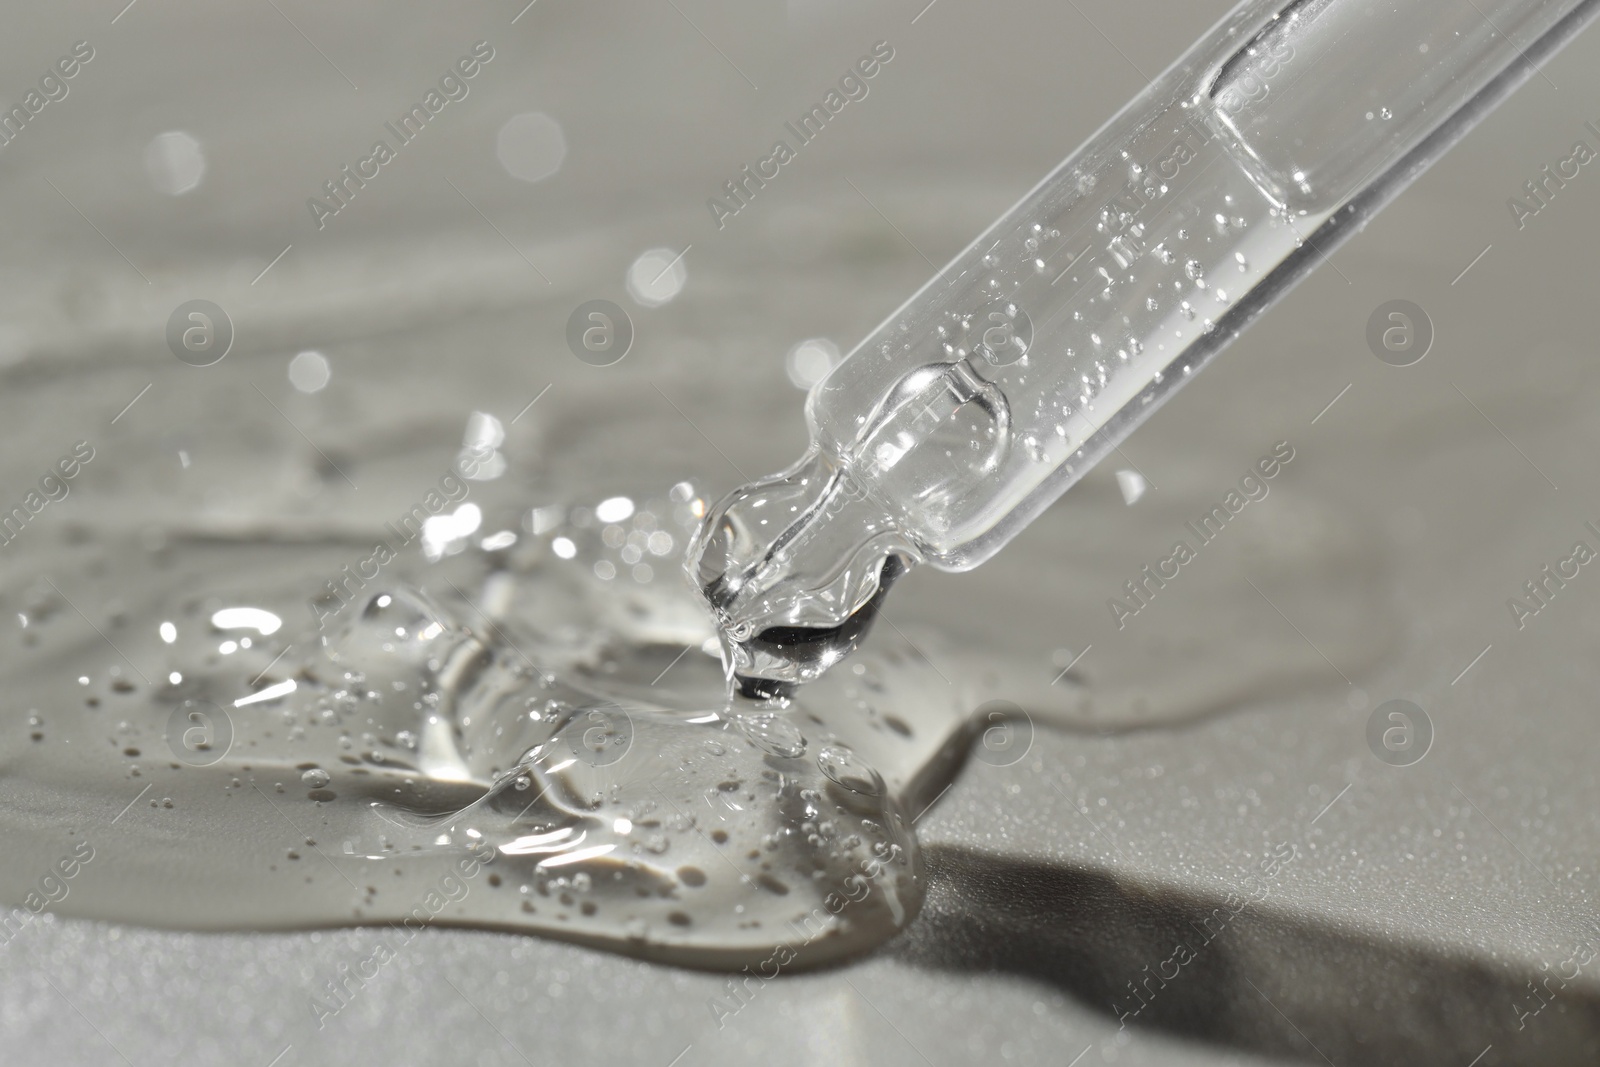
[773,734]
[843,767]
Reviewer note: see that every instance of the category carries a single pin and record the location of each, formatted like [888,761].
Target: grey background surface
[1422,900]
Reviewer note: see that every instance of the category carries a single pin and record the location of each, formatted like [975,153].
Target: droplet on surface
[175,162]
[1132,484]
[810,361]
[309,372]
[531,146]
[657,277]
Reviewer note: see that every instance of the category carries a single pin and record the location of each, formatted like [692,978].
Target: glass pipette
[1061,328]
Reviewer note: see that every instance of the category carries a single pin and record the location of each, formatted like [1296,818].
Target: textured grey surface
[1418,905]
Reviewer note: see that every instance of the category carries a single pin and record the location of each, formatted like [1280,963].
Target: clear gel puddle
[529,730]
[530,736]
[523,746]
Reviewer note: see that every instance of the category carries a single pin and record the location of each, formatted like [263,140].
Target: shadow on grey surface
[1201,968]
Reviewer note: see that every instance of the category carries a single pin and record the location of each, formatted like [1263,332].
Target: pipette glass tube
[1050,338]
